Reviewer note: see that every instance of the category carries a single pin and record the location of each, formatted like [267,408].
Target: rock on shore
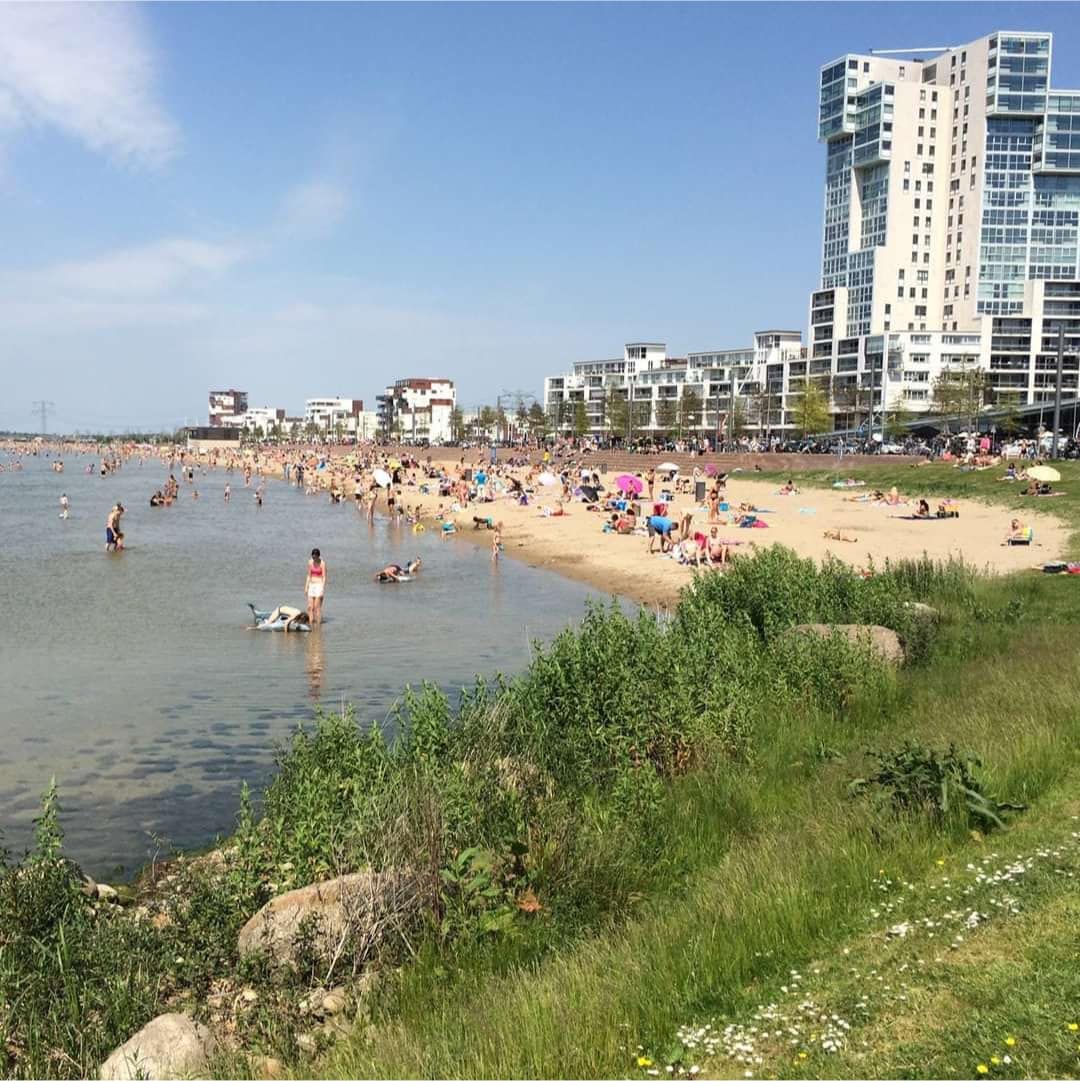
[882,641]
[168,1047]
[361,905]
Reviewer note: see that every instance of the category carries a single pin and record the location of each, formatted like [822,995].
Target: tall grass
[799,878]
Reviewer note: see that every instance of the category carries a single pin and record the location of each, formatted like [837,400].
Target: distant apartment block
[226,402]
[333,415]
[646,392]
[262,421]
[417,409]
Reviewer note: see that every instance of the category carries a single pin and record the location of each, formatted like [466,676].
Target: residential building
[952,197]
[331,415]
[260,420]
[647,392]
[417,409]
[226,402]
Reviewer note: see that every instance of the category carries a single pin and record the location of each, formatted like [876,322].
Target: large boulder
[362,905]
[168,1047]
[880,640]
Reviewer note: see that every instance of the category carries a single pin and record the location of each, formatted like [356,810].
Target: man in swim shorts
[660,526]
[112,526]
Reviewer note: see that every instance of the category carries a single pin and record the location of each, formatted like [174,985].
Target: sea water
[133,680]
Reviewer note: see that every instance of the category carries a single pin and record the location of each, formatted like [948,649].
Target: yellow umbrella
[1044,474]
[394,463]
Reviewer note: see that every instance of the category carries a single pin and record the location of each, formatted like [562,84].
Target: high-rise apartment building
[952,197]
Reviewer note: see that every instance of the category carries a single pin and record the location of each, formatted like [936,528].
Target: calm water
[133,680]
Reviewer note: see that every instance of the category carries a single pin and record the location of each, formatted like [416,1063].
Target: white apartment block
[952,197]
[653,385]
[328,414]
[260,420]
[418,409]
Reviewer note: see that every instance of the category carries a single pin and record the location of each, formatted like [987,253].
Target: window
[911,292]
[918,186]
[918,203]
[933,112]
[853,65]
[933,98]
[900,291]
[933,132]
[923,293]
[901,71]
[918,149]
[922,112]
[923,276]
[907,167]
[907,184]
[914,239]
[900,274]
[922,96]
[929,202]
[916,223]
[920,130]
[888,307]
[866,66]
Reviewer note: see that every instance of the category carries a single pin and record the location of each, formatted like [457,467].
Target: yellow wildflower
[995,1060]
[1074,1026]
[982,1069]
[643,1062]
[1010,1040]
[941,861]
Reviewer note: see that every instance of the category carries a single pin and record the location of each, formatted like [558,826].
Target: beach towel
[807,511]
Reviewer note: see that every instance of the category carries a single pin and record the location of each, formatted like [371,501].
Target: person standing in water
[315,586]
[228,491]
[112,526]
[64,507]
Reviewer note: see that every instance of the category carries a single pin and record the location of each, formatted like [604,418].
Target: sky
[316,199]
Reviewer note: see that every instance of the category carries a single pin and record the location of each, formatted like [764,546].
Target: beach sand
[576,546]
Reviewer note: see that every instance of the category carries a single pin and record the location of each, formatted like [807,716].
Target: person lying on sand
[837,534]
[788,488]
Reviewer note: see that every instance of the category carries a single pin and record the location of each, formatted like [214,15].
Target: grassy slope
[797,882]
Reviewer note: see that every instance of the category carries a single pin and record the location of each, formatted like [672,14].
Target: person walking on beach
[64,507]
[315,586]
[228,491]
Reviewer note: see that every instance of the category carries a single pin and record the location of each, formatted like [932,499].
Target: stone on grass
[168,1047]
[360,906]
[881,641]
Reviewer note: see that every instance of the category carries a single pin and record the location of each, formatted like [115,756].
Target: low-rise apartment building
[417,409]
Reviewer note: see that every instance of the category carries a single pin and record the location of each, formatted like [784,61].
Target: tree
[689,410]
[310,429]
[339,431]
[959,392]
[521,415]
[581,420]
[810,412]
[502,423]
[537,421]
[737,423]
[486,420]
[617,413]
[666,416]
[893,424]
[457,424]
[1007,417]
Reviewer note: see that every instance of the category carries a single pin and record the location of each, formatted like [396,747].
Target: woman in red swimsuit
[315,586]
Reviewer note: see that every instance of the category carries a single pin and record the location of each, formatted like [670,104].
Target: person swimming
[397,572]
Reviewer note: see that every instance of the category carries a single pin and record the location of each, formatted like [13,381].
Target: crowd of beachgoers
[685,510]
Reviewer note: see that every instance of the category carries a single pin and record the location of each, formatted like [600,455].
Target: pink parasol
[628,483]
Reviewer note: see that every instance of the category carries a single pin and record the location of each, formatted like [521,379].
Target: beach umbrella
[381,478]
[629,483]
[547,479]
[667,466]
[1044,474]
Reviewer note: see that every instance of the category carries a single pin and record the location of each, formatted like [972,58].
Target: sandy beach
[576,545]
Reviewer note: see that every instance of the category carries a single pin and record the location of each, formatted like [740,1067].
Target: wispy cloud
[88,70]
[147,270]
[314,208]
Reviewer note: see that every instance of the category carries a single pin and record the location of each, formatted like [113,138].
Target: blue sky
[307,199]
